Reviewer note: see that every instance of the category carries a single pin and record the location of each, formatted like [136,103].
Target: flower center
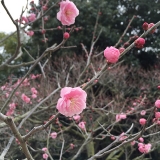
[68,13]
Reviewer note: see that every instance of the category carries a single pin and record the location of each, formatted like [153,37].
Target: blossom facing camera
[144,148]
[72,101]
[157,103]
[45,156]
[66,35]
[54,135]
[32,17]
[139,43]
[111,54]
[67,13]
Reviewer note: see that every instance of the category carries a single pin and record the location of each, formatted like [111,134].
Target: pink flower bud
[141,139]
[72,145]
[145,26]
[82,125]
[151,25]
[121,49]
[139,42]
[142,121]
[66,35]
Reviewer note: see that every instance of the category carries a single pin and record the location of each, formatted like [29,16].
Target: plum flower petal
[73,101]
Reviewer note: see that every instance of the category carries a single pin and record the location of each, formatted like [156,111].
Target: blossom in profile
[67,13]
[77,118]
[120,116]
[150,25]
[72,101]
[157,115]
[111,54]
[30,33]
[44,149]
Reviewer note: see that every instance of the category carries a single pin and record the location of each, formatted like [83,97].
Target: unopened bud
[139,42]
[145,26]
[66,35]
[150,26]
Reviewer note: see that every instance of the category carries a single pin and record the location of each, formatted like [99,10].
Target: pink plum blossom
[141,139]
[72,145]
[54,135]
[143,112]
[150,25]
[7,95]
[77,118]
[144,148]
[10,112]
[30,33]
[139,43]
[34,96]
[111,54]
[157,103]
[142,121]
[25,98]
[67,13]
[12,106]
[72,101]
[24,20]
[45,156]
[133,143]
[122,136]
[82,125]
[120,116]
[3,88]
[157,115]
[44,149]
[32,17]
[34,91]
